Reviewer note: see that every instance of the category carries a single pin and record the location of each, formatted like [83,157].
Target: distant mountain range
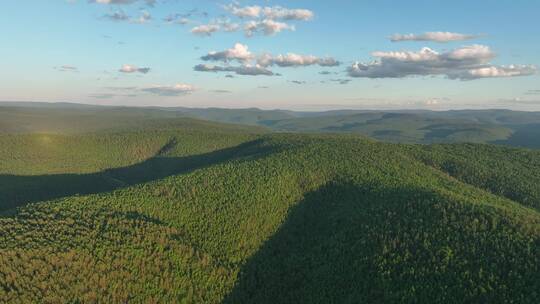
[508,127]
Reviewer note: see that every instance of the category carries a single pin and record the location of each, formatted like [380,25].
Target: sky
[299,55]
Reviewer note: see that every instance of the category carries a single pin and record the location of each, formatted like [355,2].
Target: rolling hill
[186,211]
[504,127]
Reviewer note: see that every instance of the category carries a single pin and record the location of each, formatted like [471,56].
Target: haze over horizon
[306,55]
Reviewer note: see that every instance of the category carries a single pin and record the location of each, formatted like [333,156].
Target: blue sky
[445,54]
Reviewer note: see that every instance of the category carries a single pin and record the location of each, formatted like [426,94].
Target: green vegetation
[507,172]
[504,127]
[186,211]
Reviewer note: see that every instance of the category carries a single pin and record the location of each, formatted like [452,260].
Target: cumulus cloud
[296,60]
[120,16]
[228,26]
[263,20]
[272,13]
[465,63]
[433,36]
[174,90]
[281,13]
[238,52]
[205,29]
[117,16]
[267,26]
[181,19]
[184,18]
[143,18]
[498,71]
[248,70]
[252,64]
[244,12]
[129,69]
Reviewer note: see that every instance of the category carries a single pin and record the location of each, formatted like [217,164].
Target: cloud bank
[254,20]
[433,36]
[465,63]
[174,90]
[252,64]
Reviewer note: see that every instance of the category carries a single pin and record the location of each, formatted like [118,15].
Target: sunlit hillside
[210,216]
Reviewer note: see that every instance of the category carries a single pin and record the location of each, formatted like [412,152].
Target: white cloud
[228,26]
[120,16]
[281,13]
[238,52]
[272,13]
[174,90]
[205,29]
[145,17]
[244,12]
[265,20]
[253,64]
[267,26]
[432,102]
[109,95]
[296,60]
[499,71]
[465,63]
[249,70]
[177,19]
[473,52]
[433,36]
[117,16]
[129,69]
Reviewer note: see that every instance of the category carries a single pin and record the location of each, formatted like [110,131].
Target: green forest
[153,209]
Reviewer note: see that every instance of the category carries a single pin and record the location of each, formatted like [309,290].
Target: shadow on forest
[349,243]
[16,190]
[526,136]
[325,250]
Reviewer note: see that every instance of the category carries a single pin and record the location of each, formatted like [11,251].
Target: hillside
[224,214]
[513,128]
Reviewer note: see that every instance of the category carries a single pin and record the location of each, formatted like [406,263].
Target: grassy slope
[239,218]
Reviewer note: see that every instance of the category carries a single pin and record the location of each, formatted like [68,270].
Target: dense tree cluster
[210,216]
